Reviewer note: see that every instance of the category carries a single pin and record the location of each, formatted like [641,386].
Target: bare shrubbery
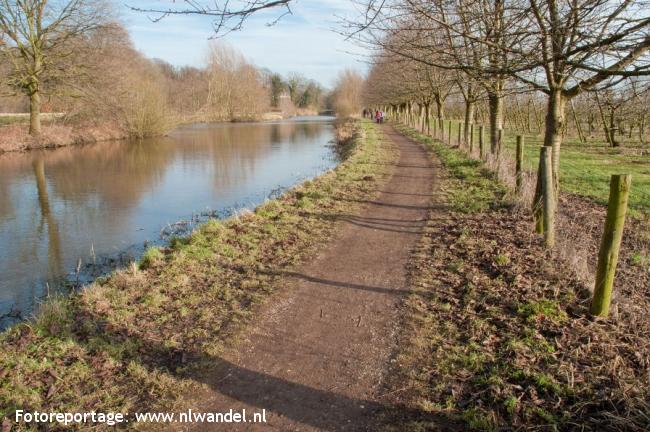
[235,87]
[504,168]
[347,97]
[144,110]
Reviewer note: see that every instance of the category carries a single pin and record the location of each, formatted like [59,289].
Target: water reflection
[55,206]
[55,259]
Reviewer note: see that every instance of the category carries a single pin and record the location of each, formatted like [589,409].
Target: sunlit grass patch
[151,257]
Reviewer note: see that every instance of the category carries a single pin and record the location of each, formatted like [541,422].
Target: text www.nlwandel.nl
[112,419]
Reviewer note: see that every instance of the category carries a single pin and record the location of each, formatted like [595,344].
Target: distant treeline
[91,72]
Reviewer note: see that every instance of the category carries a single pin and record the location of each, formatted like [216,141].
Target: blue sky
[303,42]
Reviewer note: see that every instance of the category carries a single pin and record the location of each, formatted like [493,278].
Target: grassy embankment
[496,335]
[14,135]
[138,339]
[46,118]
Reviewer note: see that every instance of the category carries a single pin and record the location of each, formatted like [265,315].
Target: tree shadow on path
[302,404]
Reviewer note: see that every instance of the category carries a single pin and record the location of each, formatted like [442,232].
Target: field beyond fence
[585,168]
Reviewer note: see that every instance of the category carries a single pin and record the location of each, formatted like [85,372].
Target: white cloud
[305,42]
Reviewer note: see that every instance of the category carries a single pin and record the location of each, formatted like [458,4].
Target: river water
[71,214]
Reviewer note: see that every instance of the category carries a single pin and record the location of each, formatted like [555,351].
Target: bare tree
[465,36]
[617,110]
[576,46]
[37,39]
[228,15]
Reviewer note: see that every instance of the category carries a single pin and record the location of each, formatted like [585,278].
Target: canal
[71,214]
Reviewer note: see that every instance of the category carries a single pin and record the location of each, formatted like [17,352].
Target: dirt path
[315,357]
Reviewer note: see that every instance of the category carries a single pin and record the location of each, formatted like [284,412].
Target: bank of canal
[136,341]
[96,207]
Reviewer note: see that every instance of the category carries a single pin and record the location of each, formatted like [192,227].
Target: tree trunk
[590,122]
[35,114]
[642,130]
[608,136]
[555,119]
[427,118]
[495,102]
[613,128]
[440,105]
[409,114]
[470,108]
[423,117]
[581,136]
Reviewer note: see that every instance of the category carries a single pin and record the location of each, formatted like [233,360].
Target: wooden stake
[548,195]
[481,141]
[619,191]
[449,136]
[538,204]
[499,141]
[519,164]
[460,133]
[471,138]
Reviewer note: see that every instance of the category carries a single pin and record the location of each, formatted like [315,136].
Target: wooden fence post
[619,191]
[449,136]
[519,164]
[499,141]
[471,138]
[460,133]
[481,141]
[548,195]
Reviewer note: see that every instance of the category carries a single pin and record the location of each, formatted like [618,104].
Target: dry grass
[497,334]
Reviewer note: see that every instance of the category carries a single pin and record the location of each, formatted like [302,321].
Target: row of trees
[617,115]
[490,50]
[231,88]
[72,56]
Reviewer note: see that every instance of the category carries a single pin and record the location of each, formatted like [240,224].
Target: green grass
[585,169]
[8,119]
[475,187]
[139,339]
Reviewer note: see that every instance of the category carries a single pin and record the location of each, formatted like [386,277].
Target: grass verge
[496,334]
[136,340]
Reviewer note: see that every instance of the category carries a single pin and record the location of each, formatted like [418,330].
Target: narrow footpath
[315,357]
